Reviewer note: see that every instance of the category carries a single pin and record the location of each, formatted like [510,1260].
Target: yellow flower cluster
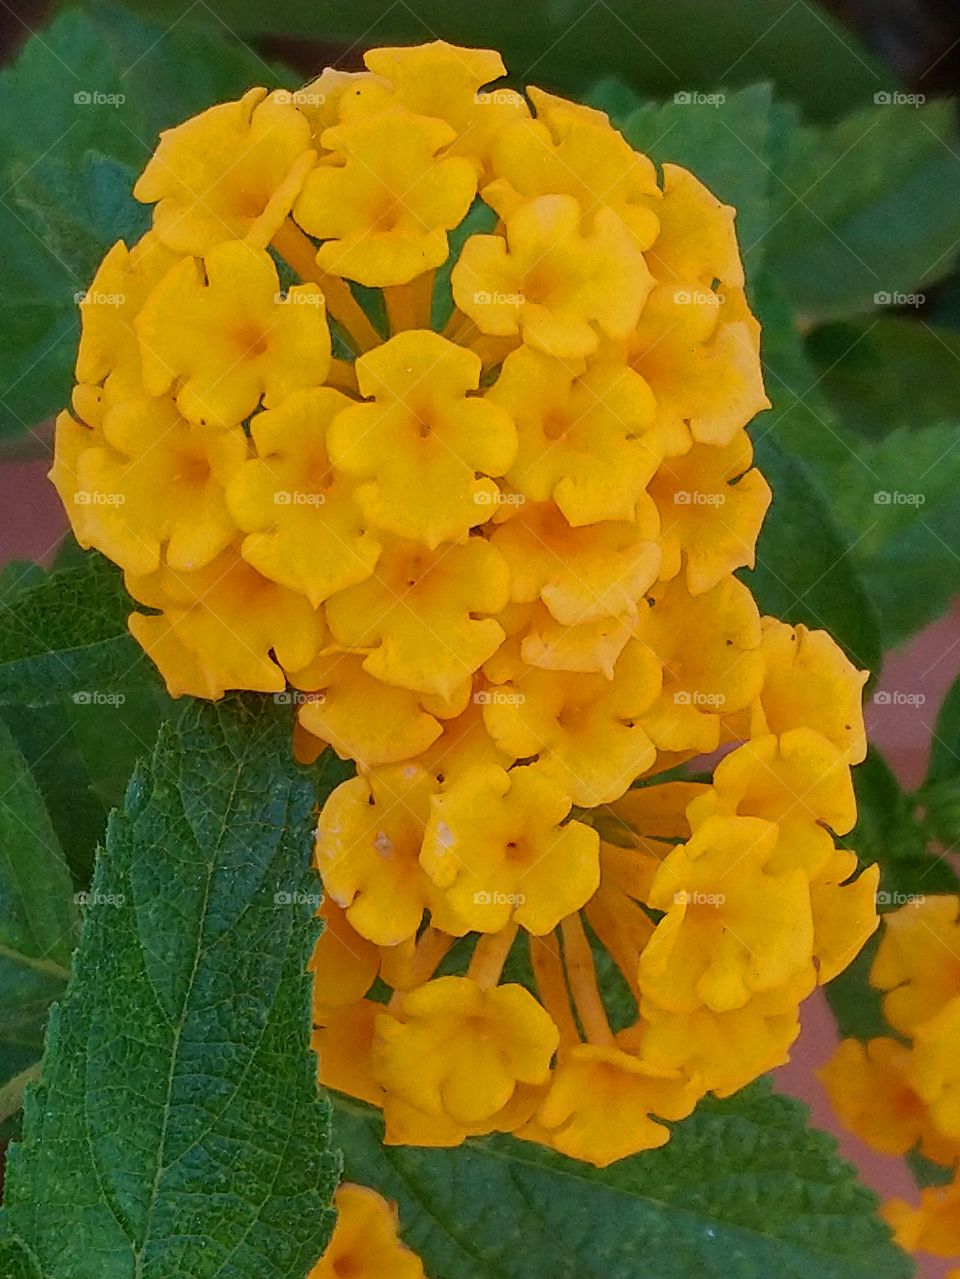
[492,548]
[903,1094]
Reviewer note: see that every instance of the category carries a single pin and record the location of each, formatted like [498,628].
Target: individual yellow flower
[573,150]
[551,283]
[586,729]
[423,441]
[304,527]
[581,574]
[602,1103]
[445,81]
[108,339]
[800,781]
[366,1241]
[869,1088]
[384,210]
[458,1050]
[933,1226]
[711,506]
[367,852]
[425,618]
[935,1067]
[584,434]
[363,719]
[918,960]
[344,964]
[708,645]
[230,173]
[725,1051]
[150,486]
[588,648]
[406,1125]
[224,328]
[499,845]
[730,928]
[222,627]
[844,912]
[809,683]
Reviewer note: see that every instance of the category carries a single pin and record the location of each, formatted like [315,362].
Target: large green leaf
[805,571]
[38,921]
[177,1128]
[79,116]
[567,45]
[743,1190]
[870,209]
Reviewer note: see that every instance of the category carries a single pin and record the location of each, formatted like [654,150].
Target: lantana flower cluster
[423,405]
[900,1093]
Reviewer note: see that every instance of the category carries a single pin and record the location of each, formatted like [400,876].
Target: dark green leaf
[881,374]
[871,208]
[177,1129]
[38,920]
[566,45]
[67,635]
[802,421]
[744,1188]
[899,500]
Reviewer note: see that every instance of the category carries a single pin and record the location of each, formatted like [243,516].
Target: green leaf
[805,571]
[67,634]
[70,157]
[744,1188]
[802,420]
[38,921]
[871,208]
[945,749]
[16,1262]
[82,755]
[892,478]
[881,374]
[177,1129]
[899,500]
[566,45]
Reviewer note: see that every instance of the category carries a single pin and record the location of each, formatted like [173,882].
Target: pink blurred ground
[33,523]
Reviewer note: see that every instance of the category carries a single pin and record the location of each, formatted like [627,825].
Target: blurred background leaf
[569,44]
